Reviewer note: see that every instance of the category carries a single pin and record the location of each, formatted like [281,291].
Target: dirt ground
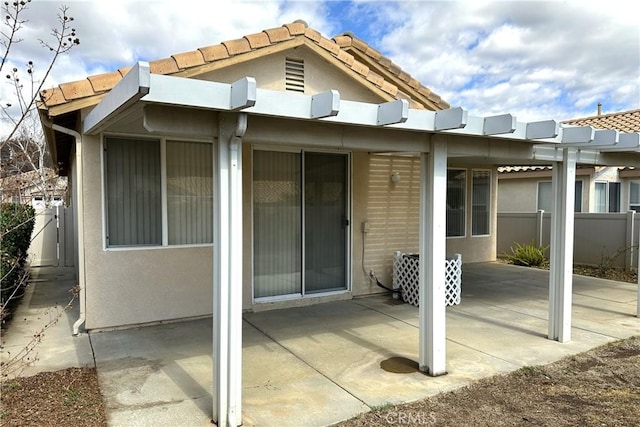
[598,388]
[70,397]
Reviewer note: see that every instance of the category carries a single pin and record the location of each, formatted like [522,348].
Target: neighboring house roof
[356,56]
[508,172]
[509,169]
[624,121]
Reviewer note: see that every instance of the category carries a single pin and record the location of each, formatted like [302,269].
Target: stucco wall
[269,74]
[125,287]
[518,195]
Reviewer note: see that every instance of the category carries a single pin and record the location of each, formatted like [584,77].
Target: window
[189,193]
[456,189]
[634,196]
[600,197]
[481,202]
[136,212]
[545,196]
[614,197]
[133,178]
[607,197]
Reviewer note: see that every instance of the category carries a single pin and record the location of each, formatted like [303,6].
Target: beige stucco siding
[269,73]
[128,287]
[518,195]
[521,195]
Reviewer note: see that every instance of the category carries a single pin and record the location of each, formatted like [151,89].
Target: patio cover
[433,135]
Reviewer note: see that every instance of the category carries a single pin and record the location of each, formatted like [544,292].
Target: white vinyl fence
[52,242]
[596,236]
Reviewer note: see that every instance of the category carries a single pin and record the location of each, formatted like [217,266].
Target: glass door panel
[325,222]
[277,224]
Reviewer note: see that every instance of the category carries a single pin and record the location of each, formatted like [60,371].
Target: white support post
[562,221]
[227,303]
[433,241]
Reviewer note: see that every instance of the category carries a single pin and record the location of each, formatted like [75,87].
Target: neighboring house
[34,187]
[626,186]
[278,169]
[528,189]
[599,189]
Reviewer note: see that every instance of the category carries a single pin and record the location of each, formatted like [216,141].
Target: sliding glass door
[300,223]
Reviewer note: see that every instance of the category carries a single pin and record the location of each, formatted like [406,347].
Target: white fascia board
[133,86]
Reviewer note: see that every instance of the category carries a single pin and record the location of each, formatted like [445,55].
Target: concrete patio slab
[320,364]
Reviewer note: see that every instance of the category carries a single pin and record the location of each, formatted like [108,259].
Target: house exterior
[528,189]
[129,266]
[280,169]
[599,189]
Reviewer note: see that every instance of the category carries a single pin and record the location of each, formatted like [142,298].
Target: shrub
[528,255]
[16,225]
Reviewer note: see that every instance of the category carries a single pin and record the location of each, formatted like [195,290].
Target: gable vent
[294,75]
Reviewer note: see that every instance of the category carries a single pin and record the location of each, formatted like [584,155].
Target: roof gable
[345,51]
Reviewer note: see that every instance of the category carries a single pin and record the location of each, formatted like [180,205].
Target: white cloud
[535,59]
[578,53]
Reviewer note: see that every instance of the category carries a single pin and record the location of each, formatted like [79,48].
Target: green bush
[528,255]
[16,226]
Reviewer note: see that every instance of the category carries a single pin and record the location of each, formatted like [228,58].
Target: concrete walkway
[321,364]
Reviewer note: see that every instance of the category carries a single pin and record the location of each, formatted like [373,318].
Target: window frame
[464,203]
[634,206]
[603,185]
[489,210]
[162,141]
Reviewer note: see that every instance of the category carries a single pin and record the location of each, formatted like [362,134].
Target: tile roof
[624,121]
[369,55]
[352,52]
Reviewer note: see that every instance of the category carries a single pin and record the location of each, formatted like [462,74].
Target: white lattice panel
[406,268]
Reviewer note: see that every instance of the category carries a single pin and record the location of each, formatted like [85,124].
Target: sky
[537,60]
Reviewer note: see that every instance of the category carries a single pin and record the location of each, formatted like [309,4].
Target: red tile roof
[624,121]
[352,52]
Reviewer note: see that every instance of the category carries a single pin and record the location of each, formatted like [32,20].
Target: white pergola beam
[599,137]
[393,112]
[243,93]
[453,118]
[577,135]
[542,129]
[606,136]
[325,104]
[133,86]
[562,229]
[495,125]
[433,242]
[626,142]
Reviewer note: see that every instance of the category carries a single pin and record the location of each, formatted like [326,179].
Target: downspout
[80,221]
